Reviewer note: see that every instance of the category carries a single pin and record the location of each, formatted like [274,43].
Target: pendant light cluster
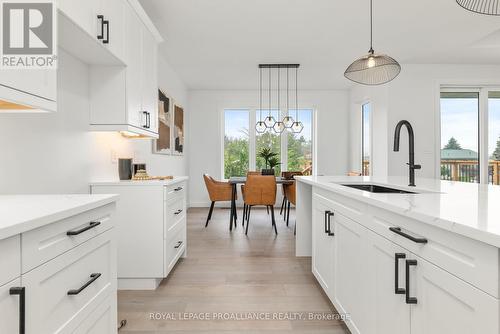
[373,69]
[269,123]
[487,7]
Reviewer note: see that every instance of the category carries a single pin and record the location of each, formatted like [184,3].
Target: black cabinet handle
[86,228]
[148,119]
[106,23]
[93,278]
[326,220]
[178,189]
[101,18]
[397,289]
[409,300]
[330,215]
[21,292]
[177,212]
[145,113]
[397,230]
[179,243]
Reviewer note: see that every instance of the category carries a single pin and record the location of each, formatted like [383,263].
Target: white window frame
[370,126]
[483,130]
[253,115]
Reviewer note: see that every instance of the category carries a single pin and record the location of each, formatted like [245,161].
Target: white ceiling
[217,44]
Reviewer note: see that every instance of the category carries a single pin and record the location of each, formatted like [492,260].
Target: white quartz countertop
[468,209]
[175,180]
[21,213]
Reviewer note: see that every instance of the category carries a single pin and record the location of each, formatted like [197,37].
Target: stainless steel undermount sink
[373,188]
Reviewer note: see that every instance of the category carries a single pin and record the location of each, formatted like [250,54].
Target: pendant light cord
[279,105]
[260,94]
[287,98]
[269,92]
[371,27]
[296,97]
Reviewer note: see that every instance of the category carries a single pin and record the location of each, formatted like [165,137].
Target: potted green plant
[270,159]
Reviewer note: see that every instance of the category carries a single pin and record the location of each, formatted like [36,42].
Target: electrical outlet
[114,158]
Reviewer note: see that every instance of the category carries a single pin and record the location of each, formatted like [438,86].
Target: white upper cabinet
[92,30]
[125,98]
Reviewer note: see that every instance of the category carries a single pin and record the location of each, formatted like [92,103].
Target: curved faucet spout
[411,148]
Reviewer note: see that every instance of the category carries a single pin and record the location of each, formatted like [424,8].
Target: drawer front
[10,259]
[9,308]
[47,242]
[474,262]
[175,210]
[175,246]
[61,293]
[101,320]
[177,190]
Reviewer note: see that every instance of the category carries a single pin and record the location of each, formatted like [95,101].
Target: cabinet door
[133,58]
[446,304]
[149,78]
[114,12]
[83,13]
[351,273]
[39,83]
[383,279]
[322,246]
[9,308]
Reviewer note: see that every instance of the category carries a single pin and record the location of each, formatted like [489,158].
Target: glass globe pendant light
[297,126]
[373,69]
[287,120]
[260,126]
[487,7]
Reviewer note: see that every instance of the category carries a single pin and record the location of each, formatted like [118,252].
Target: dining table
[234,181]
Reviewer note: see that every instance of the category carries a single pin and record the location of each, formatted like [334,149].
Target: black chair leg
[248,218]
[244,214]
[273,220]
[284,211]
[288,213]
[210,213]
[282,205]
[267,209]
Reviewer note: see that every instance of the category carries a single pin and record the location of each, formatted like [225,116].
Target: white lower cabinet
[10,307]
[384,288]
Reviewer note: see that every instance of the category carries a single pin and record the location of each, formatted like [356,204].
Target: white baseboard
[138,283]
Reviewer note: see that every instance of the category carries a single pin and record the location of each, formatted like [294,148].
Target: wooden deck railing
[468,171]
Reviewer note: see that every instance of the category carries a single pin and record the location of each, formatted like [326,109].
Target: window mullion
[251,139]
[483,136]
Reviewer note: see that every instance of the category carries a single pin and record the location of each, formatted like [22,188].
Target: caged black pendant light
[373,69]
[487,7]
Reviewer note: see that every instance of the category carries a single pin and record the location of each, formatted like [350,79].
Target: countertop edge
[454,227]
[28,225]
[175,180]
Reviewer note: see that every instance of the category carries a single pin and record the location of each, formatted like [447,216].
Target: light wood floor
[234,274]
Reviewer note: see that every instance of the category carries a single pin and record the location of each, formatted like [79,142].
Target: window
[236,142]
[366,111]
[494,137]
[299,145]
[460,136]
[242,143]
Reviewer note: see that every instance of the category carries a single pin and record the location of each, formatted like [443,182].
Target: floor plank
[232,275]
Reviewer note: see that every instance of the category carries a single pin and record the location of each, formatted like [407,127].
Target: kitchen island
[418,259]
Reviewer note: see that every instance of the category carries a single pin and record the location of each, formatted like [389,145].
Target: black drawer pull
[86,228]
[21,292]
[397,230]
[326,220]
[92,279]
[179,243]
[106,23]
[101,18]
[330,215]
[409,300]
[177,212]
[146,124]
[397,289]
[178,189]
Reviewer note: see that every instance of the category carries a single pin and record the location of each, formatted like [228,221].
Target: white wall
[413,96]
[55,152]
[206,106]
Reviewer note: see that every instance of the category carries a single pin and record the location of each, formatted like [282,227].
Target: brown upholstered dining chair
[218,191]
[245,208]
[286,175]
[290,192]
[260,190]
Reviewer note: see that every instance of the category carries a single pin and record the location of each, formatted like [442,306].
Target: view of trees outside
[236,140]
[365,149]
[236,143]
